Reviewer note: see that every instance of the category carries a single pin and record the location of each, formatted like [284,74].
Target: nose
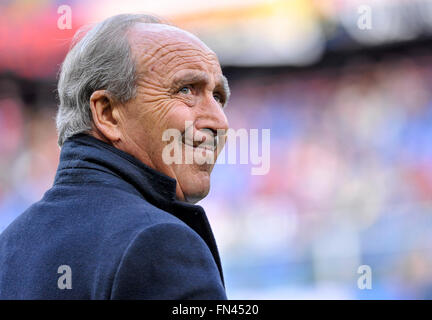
[211,116]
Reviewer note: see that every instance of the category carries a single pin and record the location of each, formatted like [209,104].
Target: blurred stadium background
[350,113]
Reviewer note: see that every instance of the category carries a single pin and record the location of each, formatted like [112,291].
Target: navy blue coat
[116,223]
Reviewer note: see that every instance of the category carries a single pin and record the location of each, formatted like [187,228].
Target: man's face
[179,80]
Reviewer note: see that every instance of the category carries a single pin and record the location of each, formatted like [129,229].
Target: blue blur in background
[350,117]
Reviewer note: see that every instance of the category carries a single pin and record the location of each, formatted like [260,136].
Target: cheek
[176,116]
[152,123]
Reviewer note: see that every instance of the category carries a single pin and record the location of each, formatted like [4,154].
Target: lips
[206,143]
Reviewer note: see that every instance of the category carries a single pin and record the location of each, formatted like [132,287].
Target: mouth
[206,143]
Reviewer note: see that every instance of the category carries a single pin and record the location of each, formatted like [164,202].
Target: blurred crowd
[350,180]
[350,183]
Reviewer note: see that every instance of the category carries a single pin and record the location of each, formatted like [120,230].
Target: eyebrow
[190,77]
[203,78]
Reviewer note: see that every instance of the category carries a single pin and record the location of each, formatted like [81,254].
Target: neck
[179,193]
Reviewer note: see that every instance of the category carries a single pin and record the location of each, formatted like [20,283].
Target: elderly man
[119,221]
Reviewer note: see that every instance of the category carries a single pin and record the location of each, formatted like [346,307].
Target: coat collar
[83,151]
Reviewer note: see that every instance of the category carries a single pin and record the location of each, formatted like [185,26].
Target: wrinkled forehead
[165,48]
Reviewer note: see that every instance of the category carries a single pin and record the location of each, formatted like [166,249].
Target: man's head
[129,79]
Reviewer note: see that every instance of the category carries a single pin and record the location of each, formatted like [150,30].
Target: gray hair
[101,59]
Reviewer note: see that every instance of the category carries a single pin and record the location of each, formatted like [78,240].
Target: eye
[218,98]
[185,90]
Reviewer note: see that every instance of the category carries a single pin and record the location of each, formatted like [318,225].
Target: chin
[194,198]
[197,187]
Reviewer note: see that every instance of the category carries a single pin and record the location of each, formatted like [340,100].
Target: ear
[105,115]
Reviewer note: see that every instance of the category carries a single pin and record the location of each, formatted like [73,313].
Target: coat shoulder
[88,229]
[168,261]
